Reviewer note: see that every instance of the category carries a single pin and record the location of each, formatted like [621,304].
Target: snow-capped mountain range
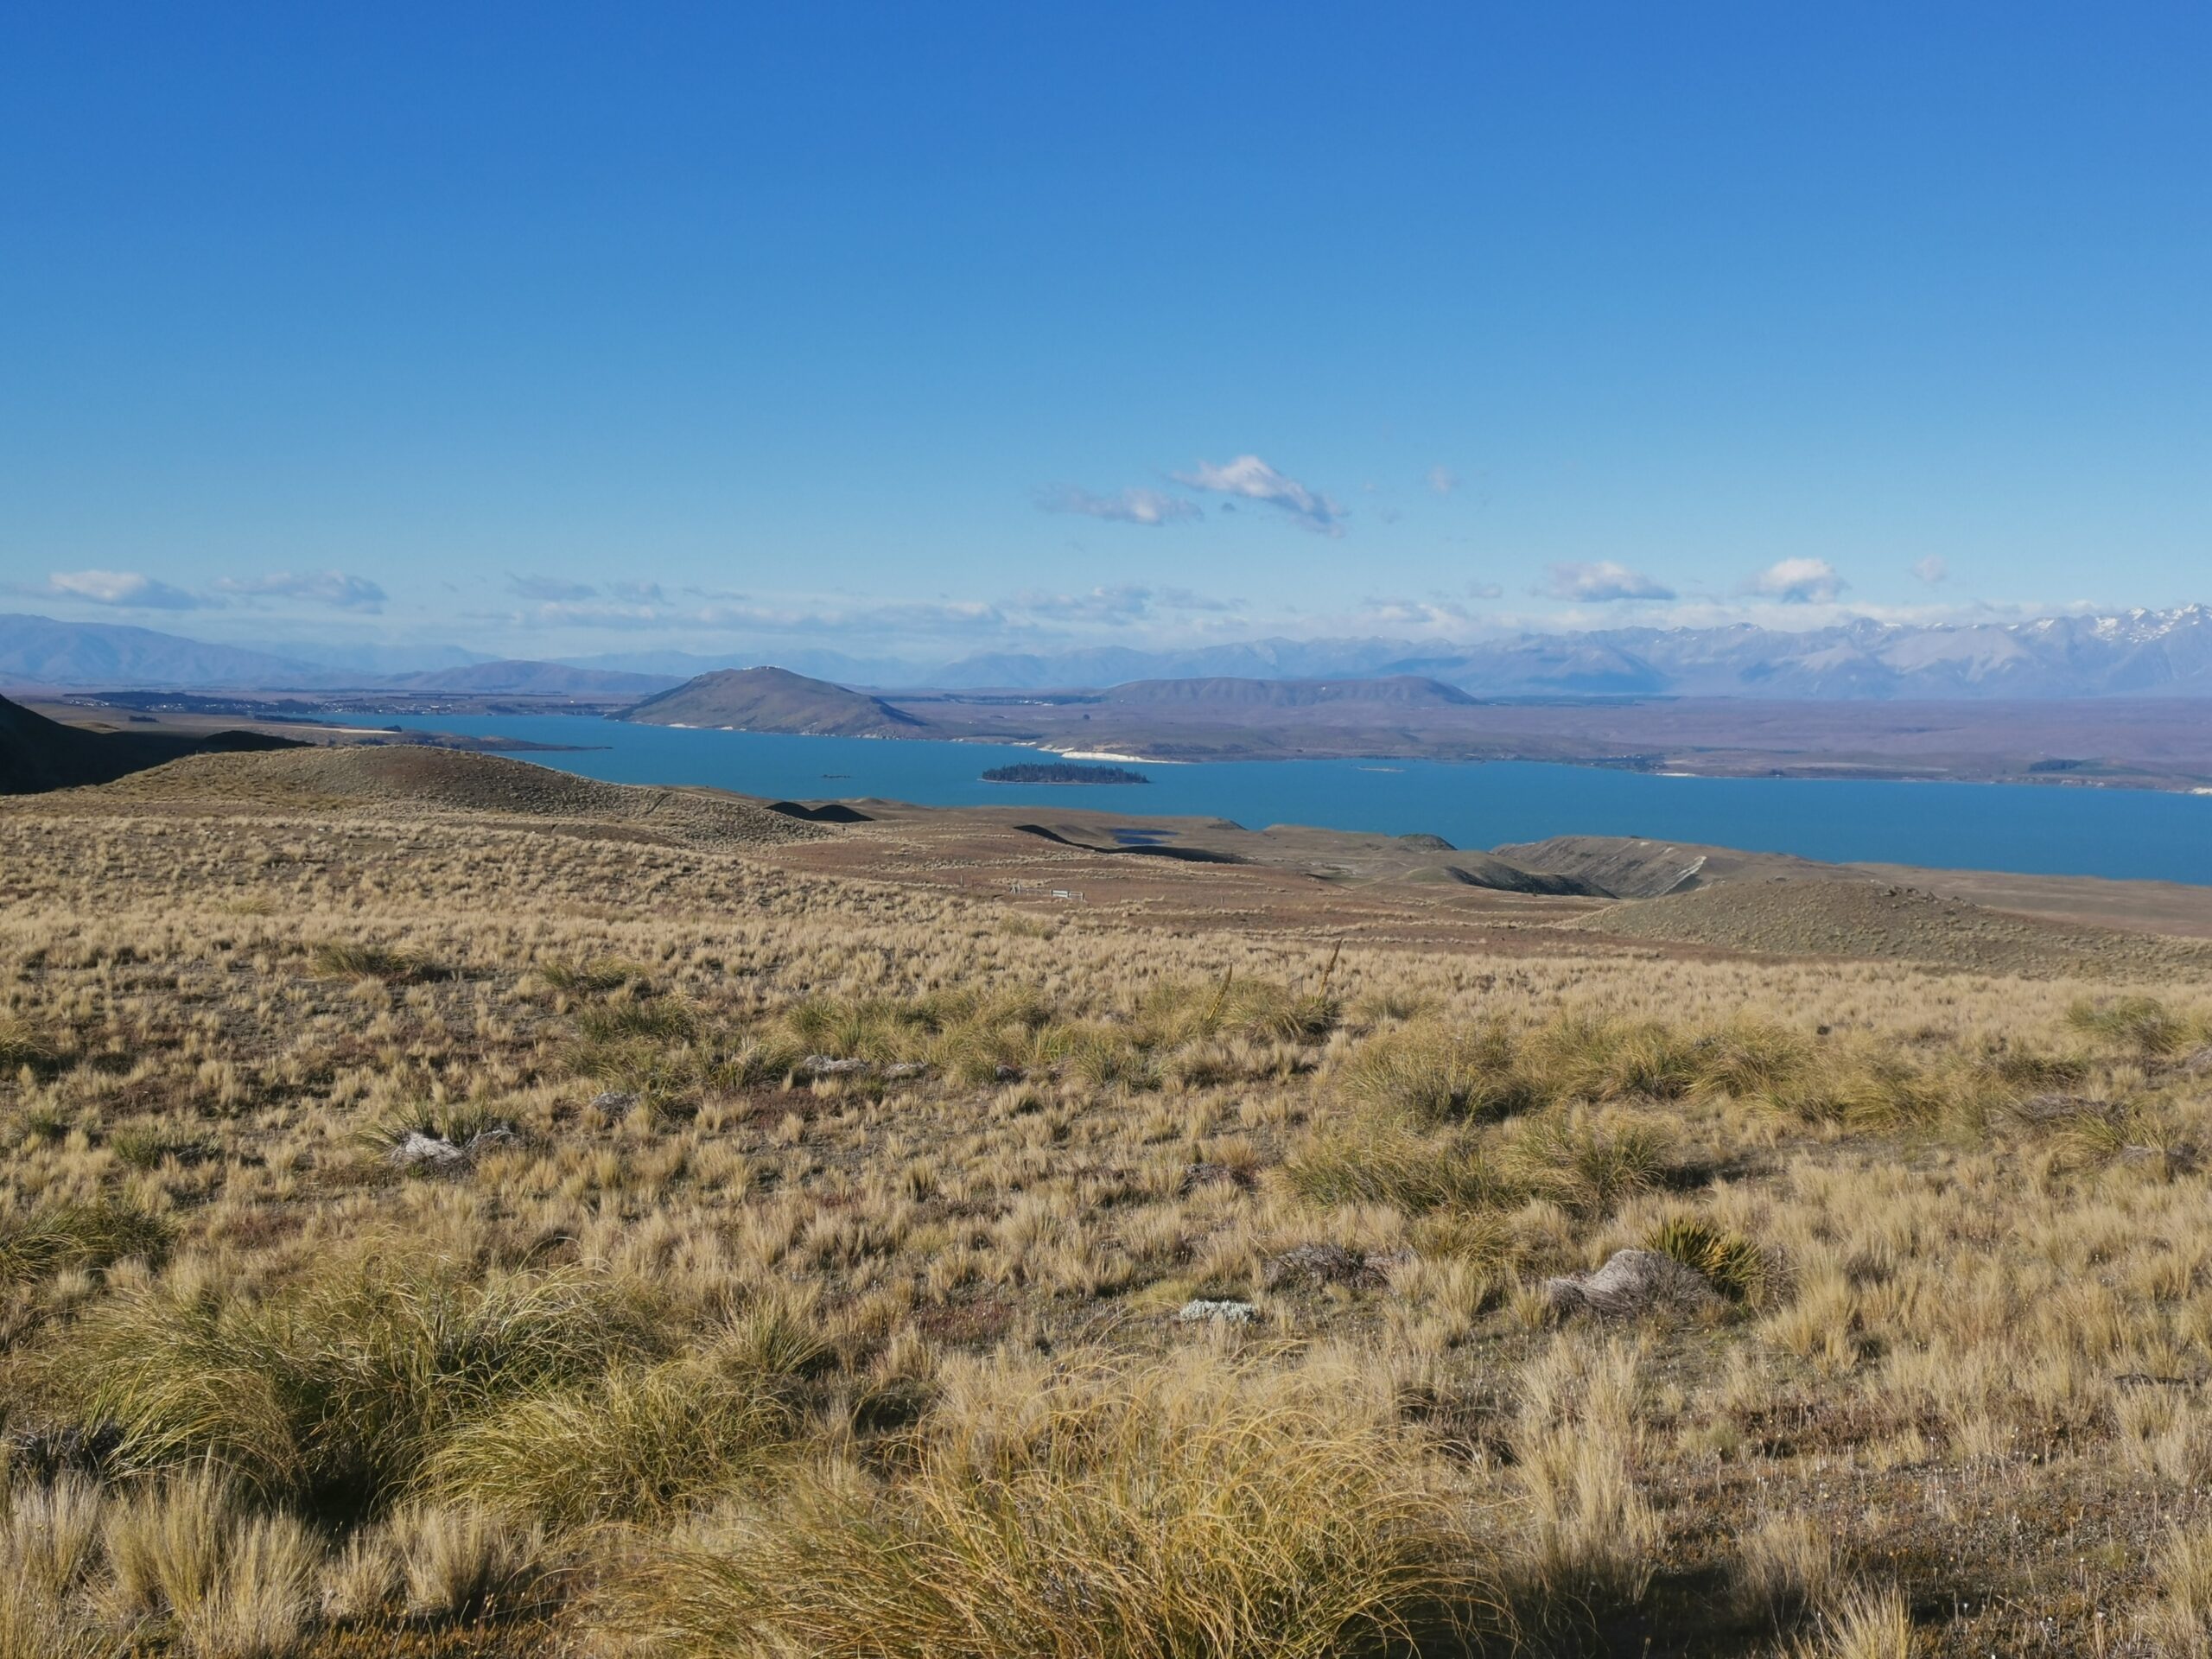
[2133,653]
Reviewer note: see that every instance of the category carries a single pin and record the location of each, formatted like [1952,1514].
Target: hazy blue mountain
[38,651]
[377,662]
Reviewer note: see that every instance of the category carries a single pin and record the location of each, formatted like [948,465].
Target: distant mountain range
[2133,654]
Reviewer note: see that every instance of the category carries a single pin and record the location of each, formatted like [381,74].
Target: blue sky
[927,329]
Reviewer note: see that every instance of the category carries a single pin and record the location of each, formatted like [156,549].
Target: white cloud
[550,589]
[1600,582]
[1443,479]
[332,588]
[1131,506]
[126,589]
[1114,606]
[1252,478]
[1931,570]
[1797,581]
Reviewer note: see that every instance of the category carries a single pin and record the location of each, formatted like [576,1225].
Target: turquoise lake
[2037,829]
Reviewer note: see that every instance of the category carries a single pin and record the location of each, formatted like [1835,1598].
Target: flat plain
[448,1209]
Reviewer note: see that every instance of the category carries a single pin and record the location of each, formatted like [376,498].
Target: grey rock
[2063,1108]
[827,1066]
[1200,1311]
[614,1100]
[1631,1284]
[1209,1174]
[421,1151]
[1315,1265]
[899,1071]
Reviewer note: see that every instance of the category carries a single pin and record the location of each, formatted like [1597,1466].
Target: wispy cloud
[1931,570]
[1601,582]
[335,589]
[126,589]
[1130,506]
[549,589]
[1797,581]
[1443,479]
[1253,480]
[1116,606]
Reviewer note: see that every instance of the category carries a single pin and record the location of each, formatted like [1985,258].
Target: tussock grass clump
[50,1549]
[1577,1441]
[1434,1074]
[232,1584]
[1747,1057]
[1583,1056]
[1586,1167]
[1378,1160]
[339,1388]
[1109,1511]
[357,959]
[2143,1024]
[460,1561]
[22,1045]
[145,1145]
[78,1235]
[1785,1566]
[592,978]
[643,1441]
[622,1018]
[1177,1012]
[2177,1619]
[1866,1623]
[1729,1262]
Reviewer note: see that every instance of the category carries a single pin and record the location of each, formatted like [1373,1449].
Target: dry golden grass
[802,1270]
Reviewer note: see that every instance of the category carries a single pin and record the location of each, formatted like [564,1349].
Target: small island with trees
[1062,771]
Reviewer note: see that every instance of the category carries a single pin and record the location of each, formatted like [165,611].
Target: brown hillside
[774,700]
[1866,919]
[451,781]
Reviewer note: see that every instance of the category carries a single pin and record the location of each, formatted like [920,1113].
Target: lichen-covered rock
[421,1151]
[1200,1310]
[1315,1265]
[1633,1283]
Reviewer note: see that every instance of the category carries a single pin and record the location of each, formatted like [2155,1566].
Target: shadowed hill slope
[774,700]
[37,754]
[1632,868]
[450,780]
